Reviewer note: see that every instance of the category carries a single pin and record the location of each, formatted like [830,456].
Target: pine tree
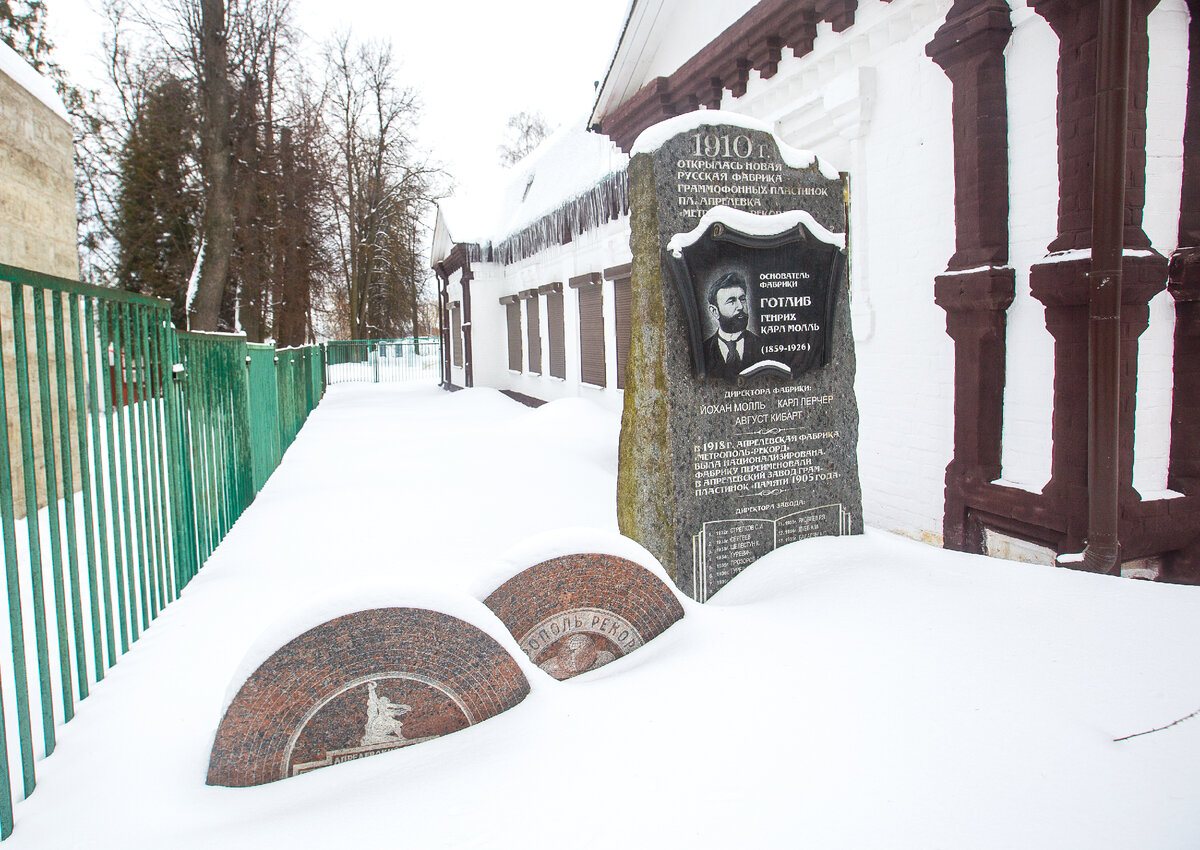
[157,204]
[525,131]
[23,28]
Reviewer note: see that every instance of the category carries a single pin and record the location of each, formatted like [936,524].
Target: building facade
[967,129]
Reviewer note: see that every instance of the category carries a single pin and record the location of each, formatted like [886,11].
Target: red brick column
[977,288]
[1060,282]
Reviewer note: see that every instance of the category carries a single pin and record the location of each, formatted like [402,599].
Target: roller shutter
[456,340]
[591,334]
[513,309]
[623,304]
[533,328]
[556,332]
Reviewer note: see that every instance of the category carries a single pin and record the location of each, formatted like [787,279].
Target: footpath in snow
[866,692]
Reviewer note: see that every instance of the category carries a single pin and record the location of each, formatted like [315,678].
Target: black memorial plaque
[771,291]
[741,428]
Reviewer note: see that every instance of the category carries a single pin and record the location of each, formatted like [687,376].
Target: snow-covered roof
[566,164]
[22,73]
[659,36]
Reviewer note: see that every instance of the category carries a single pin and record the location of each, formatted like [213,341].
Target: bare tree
[235,56]
[526,130]
[380,184]
[207,24]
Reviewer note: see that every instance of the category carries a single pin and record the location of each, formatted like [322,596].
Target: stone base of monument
[575,613]
[358,685]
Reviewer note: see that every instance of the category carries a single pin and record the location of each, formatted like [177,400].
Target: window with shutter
[623,304]
[556,330]
[513,308]
[591,329]
[456,340]
[533,331]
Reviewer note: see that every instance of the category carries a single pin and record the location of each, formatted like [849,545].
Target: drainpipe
[1103,552]
[439,272]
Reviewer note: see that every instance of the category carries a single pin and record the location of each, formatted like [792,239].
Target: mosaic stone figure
[576,654]
[383,719]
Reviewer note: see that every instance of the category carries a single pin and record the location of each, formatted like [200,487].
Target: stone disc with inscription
[361,684]
[740,426]
[575,613]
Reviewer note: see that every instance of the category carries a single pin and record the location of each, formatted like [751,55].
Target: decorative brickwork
[1057,518]
[977,288]
[578,612]
[358,685]
[754,41]
[1075,22]
[969,47]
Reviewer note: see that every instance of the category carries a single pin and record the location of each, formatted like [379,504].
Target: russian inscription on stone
[575,613]
[359,685]
[740,427]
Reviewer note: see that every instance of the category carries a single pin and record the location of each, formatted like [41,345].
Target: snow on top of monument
[557,543]
[753,224]
[368,596]
[27,78]
[655,136]
[566,164]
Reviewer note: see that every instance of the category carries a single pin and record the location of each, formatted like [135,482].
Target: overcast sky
[475,62]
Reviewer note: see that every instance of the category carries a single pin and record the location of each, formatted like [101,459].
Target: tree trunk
[217,166]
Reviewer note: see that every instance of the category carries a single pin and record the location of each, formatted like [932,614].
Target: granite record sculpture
[575,613]
[358,685]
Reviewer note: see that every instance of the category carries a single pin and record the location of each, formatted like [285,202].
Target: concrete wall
[37,232]
[37,183]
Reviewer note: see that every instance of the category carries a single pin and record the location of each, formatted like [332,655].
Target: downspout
[1103,552]
[443,334]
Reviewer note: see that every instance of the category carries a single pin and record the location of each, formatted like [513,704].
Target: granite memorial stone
[740,426]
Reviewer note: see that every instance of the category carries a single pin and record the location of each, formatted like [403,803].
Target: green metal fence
[415,360]
[127,451]
[284,386]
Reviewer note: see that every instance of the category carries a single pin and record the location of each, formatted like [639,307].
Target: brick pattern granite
[578,612]
[363,683]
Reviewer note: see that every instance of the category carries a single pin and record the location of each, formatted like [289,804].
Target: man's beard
[734,324]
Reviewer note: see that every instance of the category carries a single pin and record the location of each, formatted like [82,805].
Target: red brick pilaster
[977,288]
[1060,282]
[1076,25]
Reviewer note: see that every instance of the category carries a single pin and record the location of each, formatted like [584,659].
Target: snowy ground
[842,693]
